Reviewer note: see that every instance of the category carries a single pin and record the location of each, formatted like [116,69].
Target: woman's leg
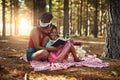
[40,55]
[29,53]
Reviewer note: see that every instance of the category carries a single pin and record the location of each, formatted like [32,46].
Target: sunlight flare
[24,26]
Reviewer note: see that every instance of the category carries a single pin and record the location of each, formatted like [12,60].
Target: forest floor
[13,68]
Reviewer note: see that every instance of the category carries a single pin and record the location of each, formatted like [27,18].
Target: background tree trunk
[50,6]
[86,21]
[66,18]
[3,19]
[39,9]
[16,18]
[80,25]
[41,5]
[11,1]
[95,29]
[113,31]
[35,12]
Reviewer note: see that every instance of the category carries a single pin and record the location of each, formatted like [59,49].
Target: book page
[58,42]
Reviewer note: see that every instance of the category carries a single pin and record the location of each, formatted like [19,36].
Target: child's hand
[71,40]
[57,48]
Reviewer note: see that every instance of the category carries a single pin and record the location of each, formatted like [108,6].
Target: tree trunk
[16,19]
[113,31]
[66,18]
[3,19]
[11,17]
[35,12]
[39,9]
[41,5]
[95,29]
[78,19]
[50,6]
[101,15]
[86,26]
[80,24]
[70,17]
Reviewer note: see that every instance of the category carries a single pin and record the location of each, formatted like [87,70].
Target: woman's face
[46,30]
[53,34]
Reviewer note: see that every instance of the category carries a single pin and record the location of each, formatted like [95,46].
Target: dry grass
[12,68]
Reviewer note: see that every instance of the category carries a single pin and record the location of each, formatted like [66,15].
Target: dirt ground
[13,68]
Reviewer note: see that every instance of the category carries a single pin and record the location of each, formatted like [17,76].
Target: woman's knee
[41,54]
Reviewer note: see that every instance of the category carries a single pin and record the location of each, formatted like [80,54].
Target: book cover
[58,42]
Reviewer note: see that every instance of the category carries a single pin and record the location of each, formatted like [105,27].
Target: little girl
[60,53]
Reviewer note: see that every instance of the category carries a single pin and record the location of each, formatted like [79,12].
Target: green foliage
[77,12]
[57,9]
[29,4]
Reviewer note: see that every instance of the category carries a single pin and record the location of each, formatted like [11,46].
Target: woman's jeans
[30,52]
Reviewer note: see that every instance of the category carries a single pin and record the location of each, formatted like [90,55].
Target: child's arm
[44,43]
[53,49]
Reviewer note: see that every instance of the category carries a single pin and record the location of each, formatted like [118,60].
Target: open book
[59,41]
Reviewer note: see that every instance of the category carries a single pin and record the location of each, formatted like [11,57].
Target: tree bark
[3,19]
[86,21]
[113,31]
[66,18]
[80,25]
[95,29]
[16,18]
[50,6]
[11,17]
[39,9]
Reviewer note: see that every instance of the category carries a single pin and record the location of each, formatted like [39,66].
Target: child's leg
[64,51]
[68,47]
[73,51]
[61,54]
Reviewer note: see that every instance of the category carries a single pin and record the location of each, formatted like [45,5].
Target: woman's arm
[45,41]
[35,37]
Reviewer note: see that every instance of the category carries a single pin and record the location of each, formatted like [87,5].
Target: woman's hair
[46,17]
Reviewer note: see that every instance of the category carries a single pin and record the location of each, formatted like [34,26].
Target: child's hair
[54,27]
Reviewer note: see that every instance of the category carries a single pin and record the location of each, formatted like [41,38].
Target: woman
[34,49]
[60,53]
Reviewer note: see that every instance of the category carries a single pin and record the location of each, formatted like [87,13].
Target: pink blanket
[89,61]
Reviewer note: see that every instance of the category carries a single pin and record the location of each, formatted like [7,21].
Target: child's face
[53,34]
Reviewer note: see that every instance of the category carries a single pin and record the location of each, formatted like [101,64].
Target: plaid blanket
[88,61]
